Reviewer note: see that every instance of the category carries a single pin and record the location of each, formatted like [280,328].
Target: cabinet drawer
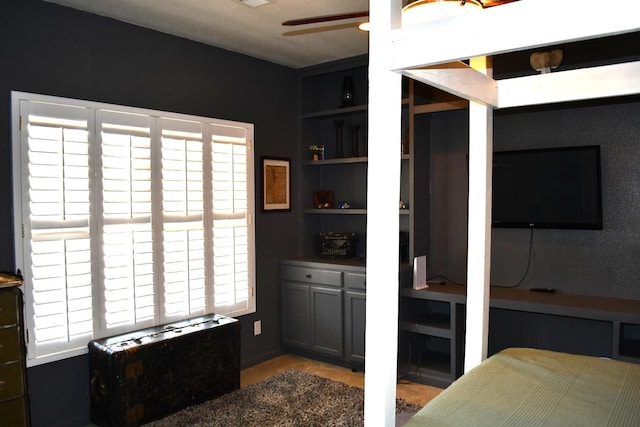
[9,344]
[14,413]
[8,308]
[355,280]
[11,385]
[311,275]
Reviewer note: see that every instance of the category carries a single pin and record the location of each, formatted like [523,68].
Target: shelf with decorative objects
[334,152]
[340,161]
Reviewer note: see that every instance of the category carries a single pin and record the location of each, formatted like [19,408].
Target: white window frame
[232,142]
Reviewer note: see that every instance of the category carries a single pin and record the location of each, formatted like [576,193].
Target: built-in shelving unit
[430,326]
[321,88]
[346,175]
[430,346]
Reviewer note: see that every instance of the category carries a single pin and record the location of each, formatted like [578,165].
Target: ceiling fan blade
[321,29]
[326,18]
[365,13]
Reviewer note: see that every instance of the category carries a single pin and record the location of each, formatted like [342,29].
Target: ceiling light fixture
[429,10]
[254,3]
[422,11]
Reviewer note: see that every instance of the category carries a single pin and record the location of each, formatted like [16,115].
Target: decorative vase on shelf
[355,136]
[347,92]
[339,148]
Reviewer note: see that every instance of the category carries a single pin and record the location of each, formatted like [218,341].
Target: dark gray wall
[59,51]
[595,262]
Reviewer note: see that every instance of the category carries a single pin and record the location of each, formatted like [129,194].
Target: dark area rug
[293,398]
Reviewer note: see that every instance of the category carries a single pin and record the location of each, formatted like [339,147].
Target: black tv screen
[547,188]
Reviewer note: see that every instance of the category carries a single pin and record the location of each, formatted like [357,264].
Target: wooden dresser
[14,408]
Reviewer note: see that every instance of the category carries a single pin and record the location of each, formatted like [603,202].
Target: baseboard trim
[256,359]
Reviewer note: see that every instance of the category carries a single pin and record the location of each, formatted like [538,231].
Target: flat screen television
[548,188]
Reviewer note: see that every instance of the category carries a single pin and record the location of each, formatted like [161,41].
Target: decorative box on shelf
[338,245]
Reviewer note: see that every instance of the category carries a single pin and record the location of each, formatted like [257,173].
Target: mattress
[530,387]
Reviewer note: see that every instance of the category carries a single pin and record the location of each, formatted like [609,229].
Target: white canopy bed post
[479,225]
[383,222]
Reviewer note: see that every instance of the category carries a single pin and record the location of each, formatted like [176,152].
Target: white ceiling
[256,32]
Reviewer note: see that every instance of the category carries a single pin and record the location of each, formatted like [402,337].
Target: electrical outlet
[257,327]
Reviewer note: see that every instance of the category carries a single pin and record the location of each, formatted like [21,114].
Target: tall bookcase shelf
[321,117]
[324,115]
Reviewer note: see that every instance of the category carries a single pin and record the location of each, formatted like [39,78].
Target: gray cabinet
[296,315]
[355,302]
[312,318]
[326,321]
[323,308]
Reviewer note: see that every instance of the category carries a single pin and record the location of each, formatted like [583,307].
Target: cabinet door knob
[308,276]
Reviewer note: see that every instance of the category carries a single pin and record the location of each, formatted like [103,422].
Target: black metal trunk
[145,375]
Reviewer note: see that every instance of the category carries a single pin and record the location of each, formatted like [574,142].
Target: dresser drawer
[311,275]
[355,280]
[11,385]
[14,413]
[9,344]
[9,308]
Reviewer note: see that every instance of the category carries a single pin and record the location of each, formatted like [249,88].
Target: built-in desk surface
[619,316]
[559,303]
[587,306]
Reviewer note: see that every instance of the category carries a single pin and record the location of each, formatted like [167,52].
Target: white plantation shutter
[131,218]
[55,190]
[182,218]
[231,220]
[125,194]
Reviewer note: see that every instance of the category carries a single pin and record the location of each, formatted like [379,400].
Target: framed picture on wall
[276,184]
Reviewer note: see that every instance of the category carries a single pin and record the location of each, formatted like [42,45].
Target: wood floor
[409,391]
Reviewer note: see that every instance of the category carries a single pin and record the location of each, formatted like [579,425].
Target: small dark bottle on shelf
[339,148]
[347,92]
[355,137]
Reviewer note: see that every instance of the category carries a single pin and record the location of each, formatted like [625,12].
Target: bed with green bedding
[530,387]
